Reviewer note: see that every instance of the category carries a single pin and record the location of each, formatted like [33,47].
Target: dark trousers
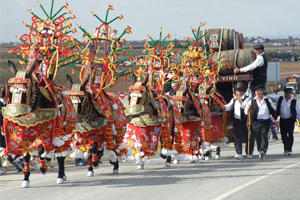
[287,133]
[274,134]
[260,132]
[241,135]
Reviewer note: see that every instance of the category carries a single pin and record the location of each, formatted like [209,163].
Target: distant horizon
[172,39]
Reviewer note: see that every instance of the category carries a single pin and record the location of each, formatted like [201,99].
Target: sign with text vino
[235,78]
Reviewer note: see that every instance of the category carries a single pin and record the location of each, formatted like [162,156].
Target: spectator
[2,138]
[273,134]
[80,162]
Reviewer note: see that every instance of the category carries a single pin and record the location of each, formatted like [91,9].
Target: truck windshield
[293,85]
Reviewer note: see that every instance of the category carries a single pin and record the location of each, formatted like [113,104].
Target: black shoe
[262,155]
[19,165]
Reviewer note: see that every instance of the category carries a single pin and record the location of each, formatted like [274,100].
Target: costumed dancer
[151,114]
[103,120]
[39,116]
[198,63]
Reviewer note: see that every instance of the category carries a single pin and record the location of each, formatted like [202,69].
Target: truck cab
[293,82]
[294,86]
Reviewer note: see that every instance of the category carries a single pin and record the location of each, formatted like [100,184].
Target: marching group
[253,113]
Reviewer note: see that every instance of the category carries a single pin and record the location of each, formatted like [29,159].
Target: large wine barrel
[237,41]
[220,39]
[236,58]
[241,41]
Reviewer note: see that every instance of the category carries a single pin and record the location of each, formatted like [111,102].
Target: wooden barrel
[237,40]
[241,41]
[220,39]
[236,58]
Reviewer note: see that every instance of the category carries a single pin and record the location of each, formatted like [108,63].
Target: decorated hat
[241,86]
[258,46]
[259,87]
[287,89]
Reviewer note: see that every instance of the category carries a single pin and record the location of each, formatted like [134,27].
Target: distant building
[277,44]
[259,40]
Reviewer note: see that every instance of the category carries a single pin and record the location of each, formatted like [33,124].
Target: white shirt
[285,107]
[259,61]
[263,110]
[42,68]
[3,102]
[237,106]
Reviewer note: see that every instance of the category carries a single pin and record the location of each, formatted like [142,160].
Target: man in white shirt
[288,109]
[258,67]
[237,106]
[260,109]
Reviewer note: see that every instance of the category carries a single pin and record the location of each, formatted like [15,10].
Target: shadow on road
[155,175]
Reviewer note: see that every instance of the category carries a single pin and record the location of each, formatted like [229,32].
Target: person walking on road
[2,138]
[288,109]
[237,106]
[260,109]
[273,134]
[258,67]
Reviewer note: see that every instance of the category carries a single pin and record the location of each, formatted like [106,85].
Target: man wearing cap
[258,67]
[237,106]
[260,109]
[288,109]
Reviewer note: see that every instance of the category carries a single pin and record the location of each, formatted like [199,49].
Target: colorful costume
[102,121]
[39,113]
[200,69]
[153,117]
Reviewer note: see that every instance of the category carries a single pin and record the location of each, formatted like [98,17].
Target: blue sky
[268,18]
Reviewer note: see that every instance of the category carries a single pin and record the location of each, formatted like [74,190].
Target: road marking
[227,194]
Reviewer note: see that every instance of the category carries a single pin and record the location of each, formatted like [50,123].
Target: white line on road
[227,194]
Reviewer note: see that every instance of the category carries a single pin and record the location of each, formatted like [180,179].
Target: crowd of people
[253,114]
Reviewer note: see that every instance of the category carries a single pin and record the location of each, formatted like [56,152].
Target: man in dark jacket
[288,109]
[258,67]
[260,110]
[237,106]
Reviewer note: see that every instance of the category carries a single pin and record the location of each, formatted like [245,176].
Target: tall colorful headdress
[157,63]
[197,61]
[49,36]
[100,52]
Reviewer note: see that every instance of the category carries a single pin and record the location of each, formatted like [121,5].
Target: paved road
[277,177]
